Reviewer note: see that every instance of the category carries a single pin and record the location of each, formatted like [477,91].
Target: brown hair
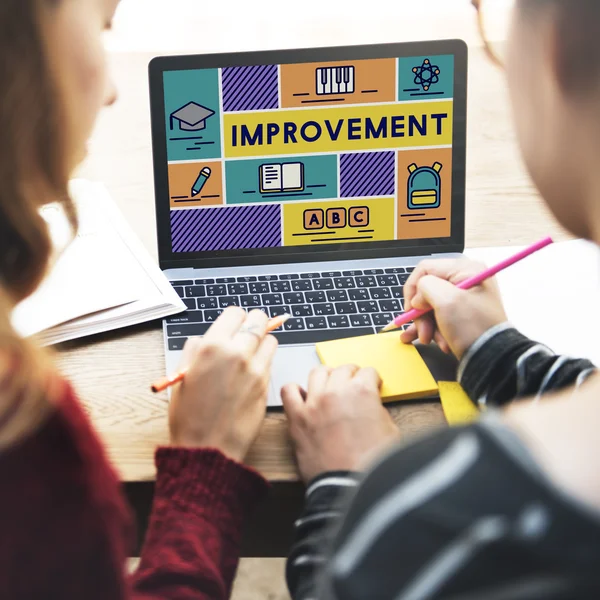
[33,172]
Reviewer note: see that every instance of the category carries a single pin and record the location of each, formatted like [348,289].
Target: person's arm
[203,493]
[337,426]
[503,365]
[465,513]
[497,363]
[315,570]
[324,505]
[66,529]
[192,545]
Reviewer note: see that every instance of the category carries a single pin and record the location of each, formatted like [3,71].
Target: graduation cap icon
[191,117]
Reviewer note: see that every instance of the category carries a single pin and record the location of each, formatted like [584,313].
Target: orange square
[336,218]
[188,189]
[417,223]
[314,218]
[358,216]
[375,81]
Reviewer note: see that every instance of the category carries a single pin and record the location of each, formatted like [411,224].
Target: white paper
[103,280]
[553,296]
[91,274]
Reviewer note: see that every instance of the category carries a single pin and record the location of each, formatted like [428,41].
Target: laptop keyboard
[324,305]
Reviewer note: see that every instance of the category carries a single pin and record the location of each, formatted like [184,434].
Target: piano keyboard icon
[335,80]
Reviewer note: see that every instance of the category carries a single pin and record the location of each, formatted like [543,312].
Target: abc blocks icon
[336,218]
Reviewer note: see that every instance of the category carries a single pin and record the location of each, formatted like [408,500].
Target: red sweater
[65,530]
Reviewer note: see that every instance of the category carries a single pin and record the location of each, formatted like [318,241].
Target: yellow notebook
[458,407]
[404,373]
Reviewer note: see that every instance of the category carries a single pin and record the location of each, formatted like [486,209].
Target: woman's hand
[339,423]
[222,400]
[460,316]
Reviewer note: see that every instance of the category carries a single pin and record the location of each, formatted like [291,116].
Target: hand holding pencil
[162,384]
[459,316]
[221,402]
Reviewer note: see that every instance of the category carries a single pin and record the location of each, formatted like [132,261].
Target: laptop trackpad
[292,364]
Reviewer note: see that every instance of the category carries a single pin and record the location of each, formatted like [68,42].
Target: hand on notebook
[339,424]
[460,317]
[222,400]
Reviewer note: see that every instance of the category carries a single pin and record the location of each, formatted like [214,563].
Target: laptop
[308,182]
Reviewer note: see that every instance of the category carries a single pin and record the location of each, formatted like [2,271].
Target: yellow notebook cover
[458,407]
[404,373]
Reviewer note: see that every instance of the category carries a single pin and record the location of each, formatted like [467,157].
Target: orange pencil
[165,382]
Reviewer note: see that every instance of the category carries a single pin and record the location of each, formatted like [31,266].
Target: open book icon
[281,177]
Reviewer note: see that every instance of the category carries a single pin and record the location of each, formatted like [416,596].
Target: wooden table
[111,372]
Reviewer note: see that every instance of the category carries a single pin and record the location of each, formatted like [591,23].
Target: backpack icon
[424,186]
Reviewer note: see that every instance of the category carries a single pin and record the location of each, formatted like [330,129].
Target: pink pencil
[413,314]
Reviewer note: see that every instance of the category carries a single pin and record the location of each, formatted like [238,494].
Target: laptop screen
[309,154]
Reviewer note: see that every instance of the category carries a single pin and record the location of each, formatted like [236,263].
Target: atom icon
[426,75]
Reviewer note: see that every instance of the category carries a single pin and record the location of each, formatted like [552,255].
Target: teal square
[320,179]
[200,90]
[426,77]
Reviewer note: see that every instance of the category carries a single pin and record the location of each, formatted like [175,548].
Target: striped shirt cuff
[332,481]
[479,344]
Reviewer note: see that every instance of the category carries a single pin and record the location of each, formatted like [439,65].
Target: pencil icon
[200,182]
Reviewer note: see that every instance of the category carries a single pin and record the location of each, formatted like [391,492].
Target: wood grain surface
[112,372]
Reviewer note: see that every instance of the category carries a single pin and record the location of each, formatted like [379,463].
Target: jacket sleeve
[464,513]
[325,500]
[504,365]
[66,528]
[192,545]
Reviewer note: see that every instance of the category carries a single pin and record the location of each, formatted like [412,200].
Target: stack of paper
[105,279]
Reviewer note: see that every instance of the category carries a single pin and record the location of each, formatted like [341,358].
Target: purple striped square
[367,174]
[227,228]
[250,88]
